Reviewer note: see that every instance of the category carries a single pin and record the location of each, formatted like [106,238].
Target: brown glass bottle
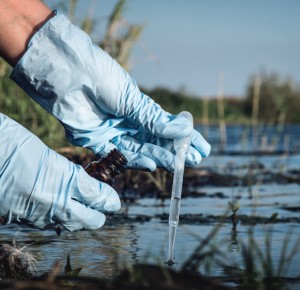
[108,167]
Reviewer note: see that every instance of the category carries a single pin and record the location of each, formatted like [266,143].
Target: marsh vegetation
[239,223]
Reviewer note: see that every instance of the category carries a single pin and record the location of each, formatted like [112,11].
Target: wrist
[19,21]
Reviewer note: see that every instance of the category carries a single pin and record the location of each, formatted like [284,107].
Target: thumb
[80,217]
[95,194]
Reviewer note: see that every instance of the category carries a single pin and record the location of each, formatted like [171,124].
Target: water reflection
[104,252]
[234,245]
[107,250]
[240,138]
[134,244]
[99,253]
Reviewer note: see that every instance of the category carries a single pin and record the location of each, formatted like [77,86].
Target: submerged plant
[16,262]
[69,271]
[259,269]
[234,206]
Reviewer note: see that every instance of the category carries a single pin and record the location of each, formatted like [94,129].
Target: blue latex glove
[97,102]
[41,188]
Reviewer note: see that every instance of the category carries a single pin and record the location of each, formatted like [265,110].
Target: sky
[204,46]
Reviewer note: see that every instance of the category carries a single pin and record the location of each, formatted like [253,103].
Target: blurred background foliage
[118,41]
[269,98]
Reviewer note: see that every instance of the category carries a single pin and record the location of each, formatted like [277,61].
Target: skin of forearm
[19,20]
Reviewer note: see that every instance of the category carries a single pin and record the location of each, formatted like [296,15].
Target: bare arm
[19,20]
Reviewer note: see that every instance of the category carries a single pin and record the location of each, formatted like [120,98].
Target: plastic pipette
[181,147]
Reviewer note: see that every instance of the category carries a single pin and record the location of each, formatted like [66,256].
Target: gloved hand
[41,188]
[97,102]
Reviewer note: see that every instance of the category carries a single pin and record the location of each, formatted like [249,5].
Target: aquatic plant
[234,206]
[260,271]
[256,268]
[15,262]
[69,271]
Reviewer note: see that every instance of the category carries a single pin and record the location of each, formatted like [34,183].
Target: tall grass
[221,114]
[255,108]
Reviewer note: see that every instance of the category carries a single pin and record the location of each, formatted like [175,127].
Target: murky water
[247,139]
[103,252]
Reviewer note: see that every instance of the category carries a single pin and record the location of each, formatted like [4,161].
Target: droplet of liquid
[170,263]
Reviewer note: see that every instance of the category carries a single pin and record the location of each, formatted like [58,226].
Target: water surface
[103,252]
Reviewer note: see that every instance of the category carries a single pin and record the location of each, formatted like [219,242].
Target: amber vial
[108,167]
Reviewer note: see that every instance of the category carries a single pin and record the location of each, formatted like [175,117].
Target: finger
[162,157]
[106,148]
[131,149]
[134,160]
[97,195]
[160,123]
[152,156]
[138,161]
[200,144]
[80,216]
[193,157]
[146,155]
[172,127]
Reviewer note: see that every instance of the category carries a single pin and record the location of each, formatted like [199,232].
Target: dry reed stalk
[205,116]
[255,110]
[222,124]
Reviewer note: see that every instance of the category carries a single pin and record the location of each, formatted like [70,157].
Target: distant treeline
[268,99]
[202,109]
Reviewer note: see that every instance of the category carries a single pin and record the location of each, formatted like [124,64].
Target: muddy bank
[194,219]
[133,184]
[139,277]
